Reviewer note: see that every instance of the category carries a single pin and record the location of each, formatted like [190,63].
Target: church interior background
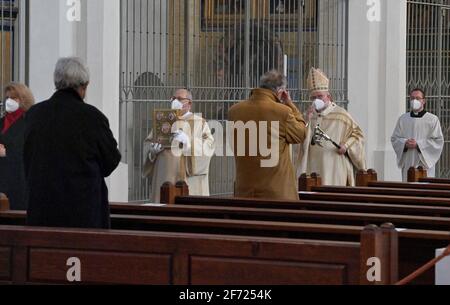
[219,49]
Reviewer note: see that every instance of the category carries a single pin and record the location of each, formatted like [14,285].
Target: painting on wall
[222,13]
[289,15]
[283,15]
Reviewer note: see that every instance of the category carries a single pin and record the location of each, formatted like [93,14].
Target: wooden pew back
[435,181]
[415,174]
[121,257]
[417,246]
[380,198]
[414,186]
[307,182]
[405,192]
[4,203]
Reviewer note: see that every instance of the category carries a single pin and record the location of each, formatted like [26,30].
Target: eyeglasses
[181,99]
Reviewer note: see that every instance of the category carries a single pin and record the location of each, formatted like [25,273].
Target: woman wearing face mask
[18,99]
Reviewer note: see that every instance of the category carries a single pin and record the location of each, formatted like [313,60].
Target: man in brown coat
[278,124]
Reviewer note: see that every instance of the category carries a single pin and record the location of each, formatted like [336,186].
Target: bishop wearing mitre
[336,163]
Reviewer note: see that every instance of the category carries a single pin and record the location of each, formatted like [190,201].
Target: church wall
[377,77]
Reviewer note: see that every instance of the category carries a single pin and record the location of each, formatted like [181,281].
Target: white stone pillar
[96,39]
[102,42]
[51,37]
[377,77]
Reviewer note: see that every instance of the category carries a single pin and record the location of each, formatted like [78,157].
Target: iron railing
[10,43]
[219,49]
[428,63]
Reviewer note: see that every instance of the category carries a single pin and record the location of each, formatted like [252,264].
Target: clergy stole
[197,162]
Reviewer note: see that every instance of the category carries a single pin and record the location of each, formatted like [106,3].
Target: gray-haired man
[268,105]
[69,150]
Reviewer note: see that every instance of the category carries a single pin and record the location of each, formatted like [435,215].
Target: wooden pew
[169,191]
[183,224]
[414,186]
[385,199]
[318,206]
[416,246]
[358,214]
[307,182]
[417,178]
[123,257]
[364,177]
[405,192]
[435,180]
[4,203]
[416,174]
[405,253]
[122,211]
[271,228]
[286,215]
[410,257]
[207,226]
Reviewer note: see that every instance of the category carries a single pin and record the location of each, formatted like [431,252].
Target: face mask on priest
[321,101]
[182,104]
[416,105]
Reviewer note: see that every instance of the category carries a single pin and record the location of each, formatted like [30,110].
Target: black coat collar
[68,91]
[418,115]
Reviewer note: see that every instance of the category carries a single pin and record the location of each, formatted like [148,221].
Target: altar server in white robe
[418,138]
[335,165]
[189,164]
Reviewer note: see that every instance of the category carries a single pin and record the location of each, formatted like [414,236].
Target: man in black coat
[69,150]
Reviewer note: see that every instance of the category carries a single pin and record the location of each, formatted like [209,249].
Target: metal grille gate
[11,42]
[219,49]
[428,63]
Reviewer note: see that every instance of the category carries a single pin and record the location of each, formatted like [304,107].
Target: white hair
[70,72]
[188,92]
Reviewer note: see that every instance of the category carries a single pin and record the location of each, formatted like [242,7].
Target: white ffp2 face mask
[11,105]
[319,104]
[416,105]
[177,105]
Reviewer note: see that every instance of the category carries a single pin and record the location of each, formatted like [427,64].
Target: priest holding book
[187,157]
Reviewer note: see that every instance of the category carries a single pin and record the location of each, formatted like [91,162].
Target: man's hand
[411,144]
[285,97]
[155,149]
[2,151]
[310,113]
[343,150]
[181,137]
